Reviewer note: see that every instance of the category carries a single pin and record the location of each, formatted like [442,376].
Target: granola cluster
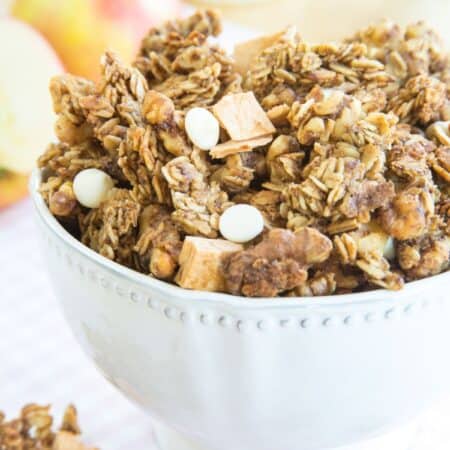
[343,148]
[32,430]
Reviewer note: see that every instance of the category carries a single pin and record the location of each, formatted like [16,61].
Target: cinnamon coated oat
[344,148]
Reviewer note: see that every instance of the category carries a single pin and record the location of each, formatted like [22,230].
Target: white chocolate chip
[202,128]
[241,223]
[389,249]
[91,186]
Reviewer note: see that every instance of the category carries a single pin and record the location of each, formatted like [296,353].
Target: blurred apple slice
[81,30]
[26,115]
[13,187]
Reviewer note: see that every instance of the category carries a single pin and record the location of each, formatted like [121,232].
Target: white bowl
[231,373]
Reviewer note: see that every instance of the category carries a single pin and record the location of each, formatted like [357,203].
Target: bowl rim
[255,303]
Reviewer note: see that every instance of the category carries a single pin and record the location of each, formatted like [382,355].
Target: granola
[341,149]
[33,430]
[277,264]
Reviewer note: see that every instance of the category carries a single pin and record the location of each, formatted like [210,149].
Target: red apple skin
[81,30]
[13,187]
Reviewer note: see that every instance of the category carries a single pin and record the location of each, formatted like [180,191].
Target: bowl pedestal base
[399,439]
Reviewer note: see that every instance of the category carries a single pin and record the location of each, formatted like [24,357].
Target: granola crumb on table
[33,430]
[344,148]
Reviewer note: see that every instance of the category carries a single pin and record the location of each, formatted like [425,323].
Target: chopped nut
[159,242]
[320,284]
[408,256]
[277,264]
[407,217]
[63,202]
[162,264]
[278,115]
[159,111]
[426,257]
[373,243]
[242,116]
[201,262]
[440,163]
[284,159]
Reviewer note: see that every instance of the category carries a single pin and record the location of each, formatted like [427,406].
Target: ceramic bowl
[219,372]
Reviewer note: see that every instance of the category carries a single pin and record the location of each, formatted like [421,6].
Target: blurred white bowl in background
[326,20]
